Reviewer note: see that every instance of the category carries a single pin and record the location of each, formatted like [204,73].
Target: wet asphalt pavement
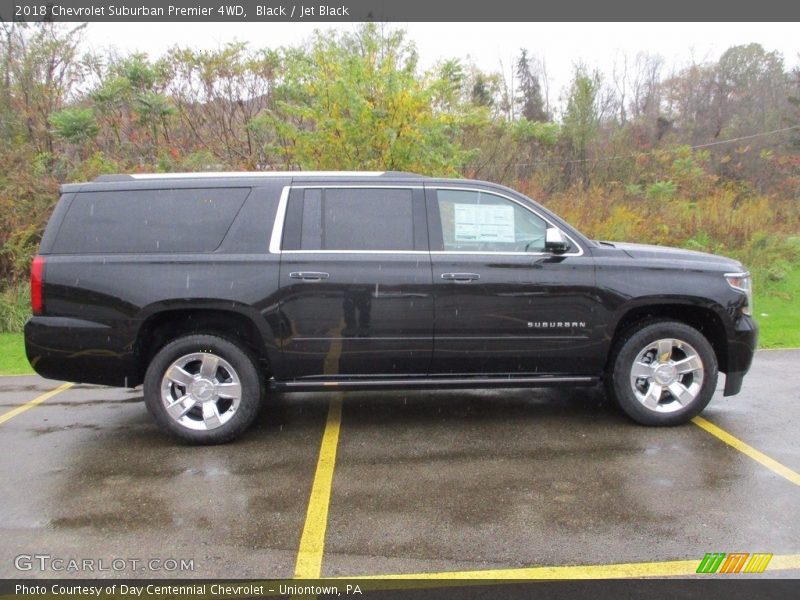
[424,481]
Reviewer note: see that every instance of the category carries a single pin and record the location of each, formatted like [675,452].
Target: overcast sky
[487,44]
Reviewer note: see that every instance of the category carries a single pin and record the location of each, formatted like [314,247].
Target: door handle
[309,275]
[461,277]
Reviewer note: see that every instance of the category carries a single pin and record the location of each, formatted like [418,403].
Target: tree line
[647,132]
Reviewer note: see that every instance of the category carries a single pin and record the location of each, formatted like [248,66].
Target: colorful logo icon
[734,562]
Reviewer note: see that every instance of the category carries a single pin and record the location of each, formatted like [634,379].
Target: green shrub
[76,125]
[14,308]
[633,189]
[662,190]
[775,273]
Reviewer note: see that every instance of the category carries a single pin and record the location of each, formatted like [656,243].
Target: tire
[203,389]
[662,373]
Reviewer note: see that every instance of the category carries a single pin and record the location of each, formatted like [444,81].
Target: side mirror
[554,241]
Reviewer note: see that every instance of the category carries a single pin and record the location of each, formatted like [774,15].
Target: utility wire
[746,137]
[635,154]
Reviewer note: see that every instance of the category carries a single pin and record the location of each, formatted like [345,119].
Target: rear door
[356,295]
[503,304]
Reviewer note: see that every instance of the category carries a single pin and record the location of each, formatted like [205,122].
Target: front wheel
[663,373]
[203,389]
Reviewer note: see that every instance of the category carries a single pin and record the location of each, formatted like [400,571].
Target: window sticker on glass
[484,223]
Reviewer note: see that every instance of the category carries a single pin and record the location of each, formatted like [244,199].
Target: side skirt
[421,383]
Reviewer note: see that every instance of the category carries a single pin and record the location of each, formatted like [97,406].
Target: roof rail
[400,174]
[112,178]
[232,174]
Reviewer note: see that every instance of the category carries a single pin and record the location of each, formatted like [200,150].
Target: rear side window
[148,221]
[357,219]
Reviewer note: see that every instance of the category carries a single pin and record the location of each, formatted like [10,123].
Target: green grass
[12,355]
[15,307]
[777,311]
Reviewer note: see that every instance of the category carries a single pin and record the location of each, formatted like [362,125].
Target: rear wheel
[203,388]
[663,373]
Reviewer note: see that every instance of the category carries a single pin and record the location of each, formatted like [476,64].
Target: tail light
[37,285]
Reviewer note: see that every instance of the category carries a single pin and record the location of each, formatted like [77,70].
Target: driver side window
[477,221]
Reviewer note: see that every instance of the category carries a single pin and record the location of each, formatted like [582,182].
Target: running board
[309,385]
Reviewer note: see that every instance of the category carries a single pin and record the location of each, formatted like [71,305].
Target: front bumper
[741,348]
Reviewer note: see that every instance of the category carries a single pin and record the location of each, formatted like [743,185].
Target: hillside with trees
[704,156]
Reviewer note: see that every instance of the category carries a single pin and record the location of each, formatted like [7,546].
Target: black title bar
[715,588]
[396,10]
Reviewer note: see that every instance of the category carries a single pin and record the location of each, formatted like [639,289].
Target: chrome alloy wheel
[201,391]
[667,375]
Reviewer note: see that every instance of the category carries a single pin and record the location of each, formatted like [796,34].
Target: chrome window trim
[277,230]
[580,251]
[497,253]
[355,252]
[280,216]
[322,186]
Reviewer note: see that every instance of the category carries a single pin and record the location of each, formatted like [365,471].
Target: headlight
[743,283]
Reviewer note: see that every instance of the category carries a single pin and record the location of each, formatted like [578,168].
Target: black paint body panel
[381,317]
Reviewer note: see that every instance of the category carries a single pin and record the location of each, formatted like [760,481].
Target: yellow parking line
[38,400]
[671,568]
[772,464]
[312,542]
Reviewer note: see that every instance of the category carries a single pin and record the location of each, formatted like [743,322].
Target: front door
[503,304]
[356,283]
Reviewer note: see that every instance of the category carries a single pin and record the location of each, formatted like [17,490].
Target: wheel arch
[164,324]
[702,317]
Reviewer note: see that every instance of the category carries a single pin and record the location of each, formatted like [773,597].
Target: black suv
[215,289]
